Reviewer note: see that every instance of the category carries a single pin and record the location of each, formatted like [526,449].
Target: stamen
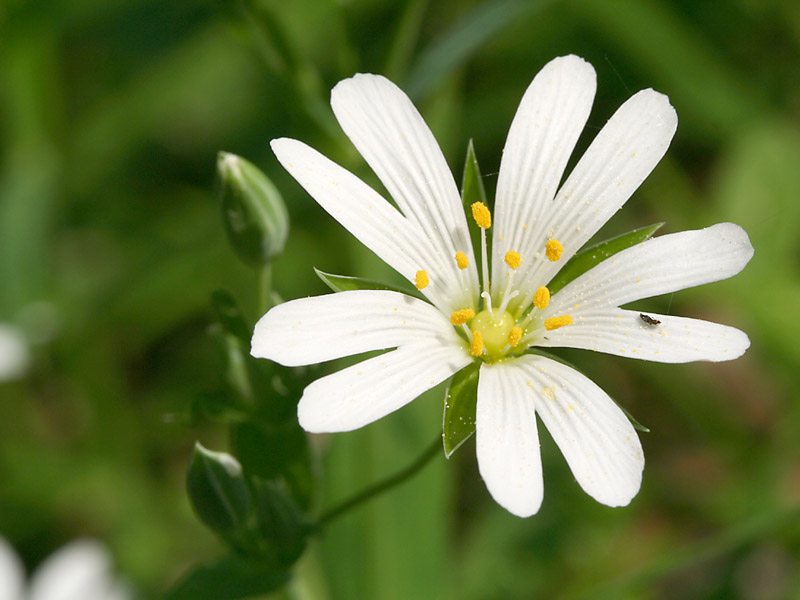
[541,298]
[467,331]
[460,317]
[556,322]
[513,259]
[482,216]
[461,260]
[514,336]
[507,298]
[476,347]
[553,249]
[487,298]
[483,219]
[421,280]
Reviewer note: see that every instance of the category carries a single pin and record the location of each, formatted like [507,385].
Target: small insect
[648,319]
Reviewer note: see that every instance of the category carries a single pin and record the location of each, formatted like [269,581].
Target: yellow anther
[556,322]
[476,347]
[461,260]
[462,316]
[514,336]
[541,298]
[513,259]
[421,280]
[481,215]
[553,249]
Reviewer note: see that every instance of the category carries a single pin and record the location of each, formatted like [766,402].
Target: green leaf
[217,490]
[253,211]
[454,46]
[228,579]
[472,189]
[460,402]
[344,283]
[594,255]
[282,525]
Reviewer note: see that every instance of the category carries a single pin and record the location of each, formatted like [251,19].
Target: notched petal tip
[656,105]
[571,62]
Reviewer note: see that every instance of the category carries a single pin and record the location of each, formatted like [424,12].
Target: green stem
[265,288]
[382,486]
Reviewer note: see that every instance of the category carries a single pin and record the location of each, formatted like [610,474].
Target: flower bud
[253,211]
[217,490]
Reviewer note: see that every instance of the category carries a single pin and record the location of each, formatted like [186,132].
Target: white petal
[369,390]
[372,220]
[14,354]
[312,330]
[674,340]
[622,155]
[546,127]
[390,134]
[507,441]
[78,571]
[658,266]
[12,573]
[594,435]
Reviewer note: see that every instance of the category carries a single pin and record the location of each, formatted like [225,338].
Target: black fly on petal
[648,319]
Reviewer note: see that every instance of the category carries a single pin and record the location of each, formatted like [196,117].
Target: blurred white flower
[80,570]
[495,322]
[14,353]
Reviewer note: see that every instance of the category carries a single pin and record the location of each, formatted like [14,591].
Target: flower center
[495,332]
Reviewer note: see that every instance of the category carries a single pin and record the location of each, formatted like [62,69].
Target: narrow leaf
[460,401]
[343,283]
[594,255]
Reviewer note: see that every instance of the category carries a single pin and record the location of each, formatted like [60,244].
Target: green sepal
[280,522]
[636,425]
[472,189]
[229,578]
[346,283]
[217,490]
[253,211]
[460,402]
[594,255]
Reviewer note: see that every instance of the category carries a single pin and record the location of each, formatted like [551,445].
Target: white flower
[80,570]
[537,228]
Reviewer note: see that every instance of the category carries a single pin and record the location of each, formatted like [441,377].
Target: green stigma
[495,332]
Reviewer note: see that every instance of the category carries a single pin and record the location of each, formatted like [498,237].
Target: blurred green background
[111,116]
